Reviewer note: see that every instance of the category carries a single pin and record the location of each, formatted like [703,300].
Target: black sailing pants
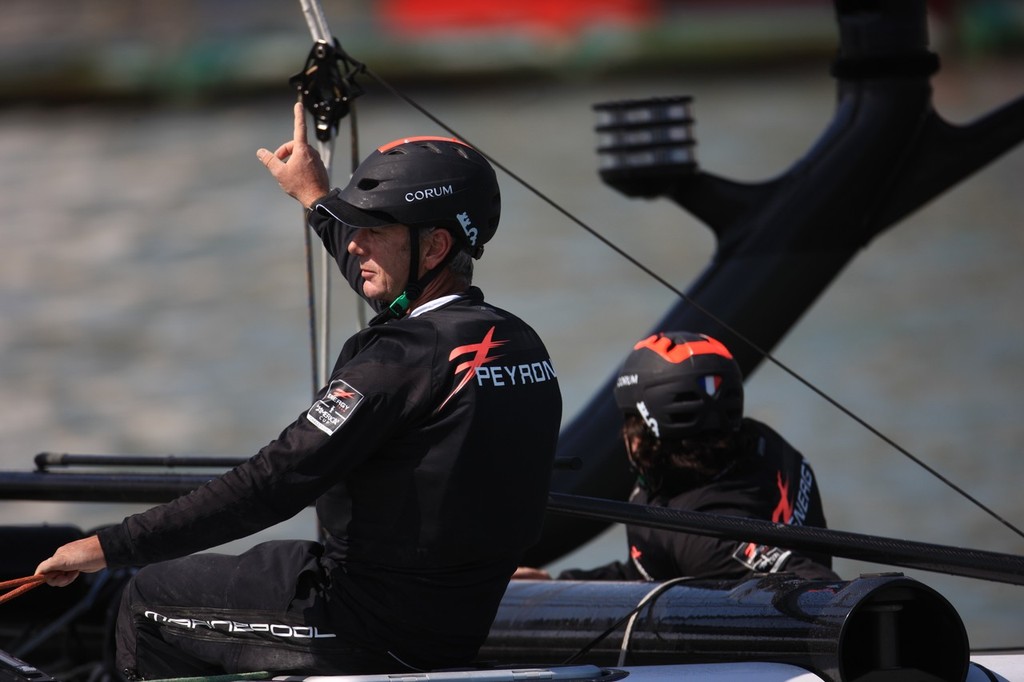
[264,610]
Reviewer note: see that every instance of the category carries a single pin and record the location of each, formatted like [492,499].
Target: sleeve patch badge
[761,558]
[337,405]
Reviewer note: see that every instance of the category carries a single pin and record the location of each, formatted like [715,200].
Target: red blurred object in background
[565,17]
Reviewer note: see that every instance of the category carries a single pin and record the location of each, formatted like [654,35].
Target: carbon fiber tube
[882,627]
[972,563]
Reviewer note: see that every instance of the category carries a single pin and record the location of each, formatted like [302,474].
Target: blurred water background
[152,275]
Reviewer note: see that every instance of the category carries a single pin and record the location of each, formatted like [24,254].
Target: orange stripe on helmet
[663,346]
[419,138]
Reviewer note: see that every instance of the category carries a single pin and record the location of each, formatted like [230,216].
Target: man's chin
[371,294]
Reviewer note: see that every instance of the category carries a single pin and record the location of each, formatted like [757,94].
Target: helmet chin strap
[414,287]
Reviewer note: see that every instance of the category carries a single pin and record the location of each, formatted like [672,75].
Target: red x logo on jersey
[481,356]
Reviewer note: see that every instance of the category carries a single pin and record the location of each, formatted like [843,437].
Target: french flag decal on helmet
[687,383]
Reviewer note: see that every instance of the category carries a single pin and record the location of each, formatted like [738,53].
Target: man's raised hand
[296,166]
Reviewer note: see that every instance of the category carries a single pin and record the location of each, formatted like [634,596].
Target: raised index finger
[300,124]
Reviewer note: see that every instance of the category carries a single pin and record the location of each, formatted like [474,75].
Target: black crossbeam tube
[971,563]
[48,486]
[46,460]
[44,485]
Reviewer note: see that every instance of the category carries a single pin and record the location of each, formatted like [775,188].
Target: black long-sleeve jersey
[773,483]
[428,457]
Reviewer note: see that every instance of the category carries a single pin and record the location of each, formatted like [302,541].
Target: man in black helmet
[427,455]
[691,448]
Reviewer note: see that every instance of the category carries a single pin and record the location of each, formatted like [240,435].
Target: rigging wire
[649,597]
[317,23]
[630,617]
[327,89]
[311,303]
[323,343]
[361,319]
[745,339]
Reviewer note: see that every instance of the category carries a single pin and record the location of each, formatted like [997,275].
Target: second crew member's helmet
[423,182]
[682,385]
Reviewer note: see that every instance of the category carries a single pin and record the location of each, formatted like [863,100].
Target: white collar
[433,304]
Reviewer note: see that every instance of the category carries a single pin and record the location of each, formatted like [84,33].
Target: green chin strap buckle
[400,305]
[394,311]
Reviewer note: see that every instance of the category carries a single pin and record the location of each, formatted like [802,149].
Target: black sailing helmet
[682,385]
[423,182]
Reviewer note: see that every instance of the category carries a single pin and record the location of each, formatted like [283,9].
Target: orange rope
[20,585]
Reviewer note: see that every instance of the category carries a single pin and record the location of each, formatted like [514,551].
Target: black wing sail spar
[781,243]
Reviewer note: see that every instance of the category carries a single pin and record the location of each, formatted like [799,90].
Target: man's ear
[438,243]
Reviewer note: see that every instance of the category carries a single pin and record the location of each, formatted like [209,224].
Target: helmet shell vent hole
[367,184]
